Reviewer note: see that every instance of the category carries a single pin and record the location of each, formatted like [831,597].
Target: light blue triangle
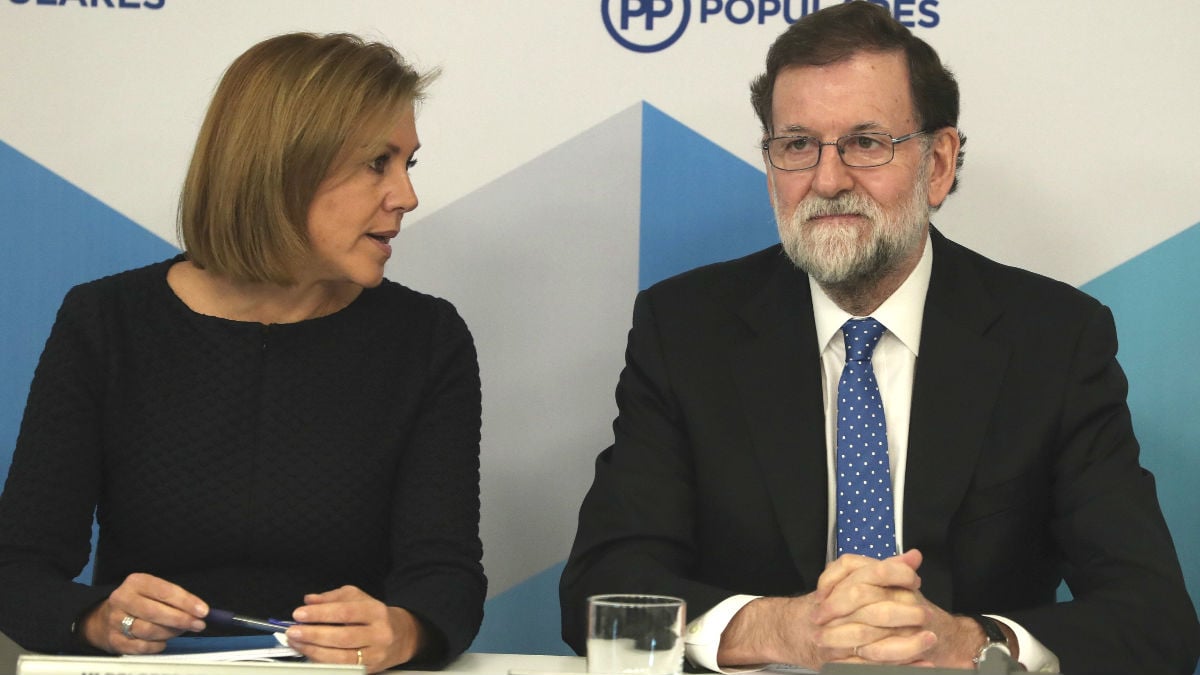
[525,618]
[700,203]
[55,236]
[1155,299]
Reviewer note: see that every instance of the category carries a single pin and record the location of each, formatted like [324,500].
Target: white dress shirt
[895,362]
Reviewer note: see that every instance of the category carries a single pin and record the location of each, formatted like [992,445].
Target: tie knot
[861,337]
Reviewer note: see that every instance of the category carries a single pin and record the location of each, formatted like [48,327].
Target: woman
[263,424]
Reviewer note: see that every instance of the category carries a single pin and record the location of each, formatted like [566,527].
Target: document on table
[240,648]
[41,664]
[243,655]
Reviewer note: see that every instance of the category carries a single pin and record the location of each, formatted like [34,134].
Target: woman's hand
[141,614]
[348,626]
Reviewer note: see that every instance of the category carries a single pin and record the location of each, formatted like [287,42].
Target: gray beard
[833,256]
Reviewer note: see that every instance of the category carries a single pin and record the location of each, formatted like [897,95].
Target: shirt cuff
[704,634]
[1033,654]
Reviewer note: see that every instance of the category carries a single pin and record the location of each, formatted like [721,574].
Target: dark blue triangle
[700,203]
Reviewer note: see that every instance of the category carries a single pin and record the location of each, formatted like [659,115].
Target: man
[1009,462]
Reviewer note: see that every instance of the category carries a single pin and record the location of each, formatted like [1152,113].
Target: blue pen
[228,618]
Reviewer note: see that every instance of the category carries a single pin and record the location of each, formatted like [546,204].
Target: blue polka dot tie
[865,522]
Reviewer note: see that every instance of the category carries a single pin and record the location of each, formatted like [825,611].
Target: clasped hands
[863,610]
[345,625]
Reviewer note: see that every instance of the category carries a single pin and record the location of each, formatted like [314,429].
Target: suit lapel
[777,371]
[958,377]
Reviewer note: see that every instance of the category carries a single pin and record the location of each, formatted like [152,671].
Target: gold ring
[359,662]
[127,627]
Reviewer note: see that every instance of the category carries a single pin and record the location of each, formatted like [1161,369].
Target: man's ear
[944,155]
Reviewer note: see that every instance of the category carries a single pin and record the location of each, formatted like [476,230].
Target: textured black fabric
[250,464]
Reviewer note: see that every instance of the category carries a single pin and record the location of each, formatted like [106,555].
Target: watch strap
[991,631]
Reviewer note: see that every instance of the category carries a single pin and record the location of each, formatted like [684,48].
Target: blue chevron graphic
[524,619]
[55,236]
[1154,298]
[700,203]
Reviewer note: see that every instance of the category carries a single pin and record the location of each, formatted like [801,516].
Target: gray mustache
[845,205]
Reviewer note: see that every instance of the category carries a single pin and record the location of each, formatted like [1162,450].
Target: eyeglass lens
[804,152]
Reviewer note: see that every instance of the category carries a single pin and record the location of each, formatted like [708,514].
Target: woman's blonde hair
[287,113]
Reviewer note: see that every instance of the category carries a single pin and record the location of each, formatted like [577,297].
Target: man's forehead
[868,91]
[890,59]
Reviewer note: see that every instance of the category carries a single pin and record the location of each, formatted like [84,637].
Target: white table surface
[514,664]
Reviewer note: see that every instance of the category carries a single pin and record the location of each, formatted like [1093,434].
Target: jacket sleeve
[436,551]
[53,485]
[1131,611]
[635,531]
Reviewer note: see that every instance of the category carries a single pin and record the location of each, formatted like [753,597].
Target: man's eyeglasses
[863,150]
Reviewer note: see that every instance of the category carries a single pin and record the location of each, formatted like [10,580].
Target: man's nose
[831,176]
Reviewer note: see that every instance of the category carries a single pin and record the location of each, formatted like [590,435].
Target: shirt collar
[902,312]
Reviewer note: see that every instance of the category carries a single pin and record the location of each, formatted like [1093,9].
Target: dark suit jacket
[1022,463]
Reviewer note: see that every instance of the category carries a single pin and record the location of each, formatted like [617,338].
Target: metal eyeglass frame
[766,145]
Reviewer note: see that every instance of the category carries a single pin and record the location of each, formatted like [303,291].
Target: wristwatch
[995,637]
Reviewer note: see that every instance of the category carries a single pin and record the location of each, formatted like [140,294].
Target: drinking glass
[635,634]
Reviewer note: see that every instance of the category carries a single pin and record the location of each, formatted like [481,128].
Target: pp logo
[646,25]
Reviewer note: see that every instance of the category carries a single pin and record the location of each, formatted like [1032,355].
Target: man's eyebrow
[801,130]
[869,125]
[796,130]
